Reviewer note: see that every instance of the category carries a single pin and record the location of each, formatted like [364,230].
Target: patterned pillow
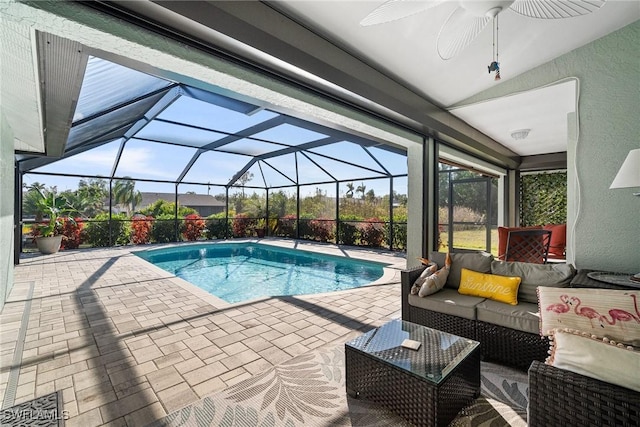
[423,278]
[595,358]
[498,288]
[435,282]
[604,313]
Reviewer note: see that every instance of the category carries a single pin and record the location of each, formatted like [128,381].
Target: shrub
[72,231]
[163,229]
[372,232]
[287,226]
[141,229]
[98,230]
[240,224]
[322,229]
[163,207]
[348,233]
[193,227]
[217,227]
[399,232]
[304,228]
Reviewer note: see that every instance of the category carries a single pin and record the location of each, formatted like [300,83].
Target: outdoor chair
[528,246]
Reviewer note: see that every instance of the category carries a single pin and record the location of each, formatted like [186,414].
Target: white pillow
[423,277]
[595,358]
[434,283]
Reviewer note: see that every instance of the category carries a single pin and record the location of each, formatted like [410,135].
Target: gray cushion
[448,301]
[476,261]
[523,317]
[534,275]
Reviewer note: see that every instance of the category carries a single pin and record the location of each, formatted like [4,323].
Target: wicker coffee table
[428,386]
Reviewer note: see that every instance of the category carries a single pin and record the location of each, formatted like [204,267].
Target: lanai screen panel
[161,131]
[107,84]
[109,121]
[205,115]
[394,162]
[171,130]
[150,160]
[216,168]
[98,161]
[350,152]
[289,134]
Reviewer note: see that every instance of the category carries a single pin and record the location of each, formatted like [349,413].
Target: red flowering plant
[322,229]
[240,224]
[194,227]
[72,231]
[372,232]
[141,229]
[287,226]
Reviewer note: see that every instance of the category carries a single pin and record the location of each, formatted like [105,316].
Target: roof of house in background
[183,199]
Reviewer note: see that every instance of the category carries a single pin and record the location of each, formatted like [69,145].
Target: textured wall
[605,223]
[6,210]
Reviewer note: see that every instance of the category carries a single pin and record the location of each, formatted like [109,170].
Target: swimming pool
[238,272]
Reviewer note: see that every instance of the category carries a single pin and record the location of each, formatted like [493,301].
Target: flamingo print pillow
[602,313]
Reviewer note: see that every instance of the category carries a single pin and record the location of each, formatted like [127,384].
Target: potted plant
[49,234]
[261,227]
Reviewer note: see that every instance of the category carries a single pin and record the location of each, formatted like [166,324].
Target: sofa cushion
[492,286]
[558,240]
[595,358]
[534,275]
[605,313]
[522,317]
[476,261]
[448,301]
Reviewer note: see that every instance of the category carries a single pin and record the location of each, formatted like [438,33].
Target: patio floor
[127,343]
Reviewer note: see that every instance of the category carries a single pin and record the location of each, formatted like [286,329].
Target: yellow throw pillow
[498,288]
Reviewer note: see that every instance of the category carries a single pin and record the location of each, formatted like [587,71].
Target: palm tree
[361,189]
[31,200]
[125,194]
[90,196]
[350,188]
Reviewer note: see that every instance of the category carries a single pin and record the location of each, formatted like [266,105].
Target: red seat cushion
[558,239]
[503,233]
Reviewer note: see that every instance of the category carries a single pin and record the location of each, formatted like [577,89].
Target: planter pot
[260,232]
[49,245]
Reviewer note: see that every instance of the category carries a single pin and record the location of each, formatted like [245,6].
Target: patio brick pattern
[127,343]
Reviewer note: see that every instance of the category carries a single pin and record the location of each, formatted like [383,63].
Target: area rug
[43,411]
[309,390]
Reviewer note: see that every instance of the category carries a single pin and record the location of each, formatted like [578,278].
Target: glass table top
[438,355]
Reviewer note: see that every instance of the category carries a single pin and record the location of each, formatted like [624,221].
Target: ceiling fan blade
[458,31]
[392,10]
[556,9]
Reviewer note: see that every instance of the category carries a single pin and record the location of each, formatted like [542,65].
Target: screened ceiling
[131,124]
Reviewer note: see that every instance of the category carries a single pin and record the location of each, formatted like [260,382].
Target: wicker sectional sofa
[508,334]
[558,397]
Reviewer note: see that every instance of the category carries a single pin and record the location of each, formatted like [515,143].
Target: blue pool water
[237,272]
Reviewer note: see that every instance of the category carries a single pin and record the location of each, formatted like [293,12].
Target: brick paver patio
[126,342]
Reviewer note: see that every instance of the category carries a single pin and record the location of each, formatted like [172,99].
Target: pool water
[238,272]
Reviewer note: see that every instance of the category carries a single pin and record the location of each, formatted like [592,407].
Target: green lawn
[471,239]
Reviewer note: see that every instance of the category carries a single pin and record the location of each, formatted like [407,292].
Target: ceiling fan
[471,17]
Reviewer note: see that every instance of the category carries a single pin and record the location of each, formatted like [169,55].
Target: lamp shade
[629,173]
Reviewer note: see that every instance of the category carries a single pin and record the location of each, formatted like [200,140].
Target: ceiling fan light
[520,134]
